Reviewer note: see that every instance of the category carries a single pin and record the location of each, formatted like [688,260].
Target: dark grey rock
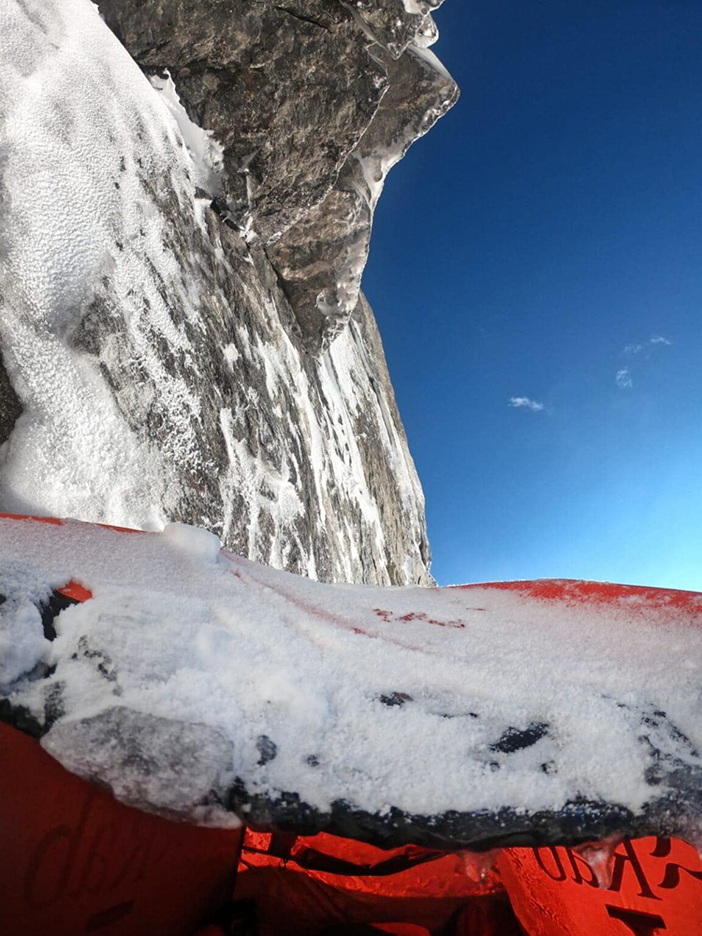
[312,105]
[10,406]
[288,89]
[321,259]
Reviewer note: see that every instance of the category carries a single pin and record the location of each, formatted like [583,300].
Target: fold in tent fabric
[324,884]
[321,884]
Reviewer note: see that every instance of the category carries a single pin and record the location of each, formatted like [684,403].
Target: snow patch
[199,545]
[207,154]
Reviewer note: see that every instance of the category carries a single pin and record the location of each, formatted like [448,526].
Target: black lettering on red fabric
[97,862]
[629,859]
[560,874]
[671,875]
[662,847]
[639,923]
[56,853]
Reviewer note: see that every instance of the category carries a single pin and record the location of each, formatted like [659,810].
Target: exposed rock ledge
[313,102]
[156,368]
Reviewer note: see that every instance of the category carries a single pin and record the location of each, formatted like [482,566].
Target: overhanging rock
[321,259]
[313,102]
[288,89]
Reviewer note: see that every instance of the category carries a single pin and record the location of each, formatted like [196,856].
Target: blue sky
[544,242]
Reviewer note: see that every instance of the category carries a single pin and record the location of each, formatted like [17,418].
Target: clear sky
[543,245]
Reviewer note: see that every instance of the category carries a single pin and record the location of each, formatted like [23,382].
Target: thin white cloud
[637,348]
[524,401]
[623,379]
[645,349]
[633,348]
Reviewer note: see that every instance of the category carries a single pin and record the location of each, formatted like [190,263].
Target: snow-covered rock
[310,122]
[287,88]
[152,366]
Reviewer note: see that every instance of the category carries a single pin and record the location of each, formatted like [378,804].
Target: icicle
[600,857]
[479,865]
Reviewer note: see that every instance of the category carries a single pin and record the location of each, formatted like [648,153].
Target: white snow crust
[382,697]
[205,151]
[76,114]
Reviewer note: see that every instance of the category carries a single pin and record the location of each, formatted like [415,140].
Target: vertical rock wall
[181,325]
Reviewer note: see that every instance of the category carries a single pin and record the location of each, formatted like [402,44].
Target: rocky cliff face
[182,330]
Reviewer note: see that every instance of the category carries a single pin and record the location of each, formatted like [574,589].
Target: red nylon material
[75,861]
[296,893]
[649,887]
[573,591]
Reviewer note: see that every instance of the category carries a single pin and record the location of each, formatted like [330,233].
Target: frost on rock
[153,363]
[479,716]
[203,148]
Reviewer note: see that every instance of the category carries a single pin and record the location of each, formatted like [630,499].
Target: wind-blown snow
[72,105]
[402,698]
[204,150]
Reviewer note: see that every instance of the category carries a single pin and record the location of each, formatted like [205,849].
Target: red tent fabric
[75,861]
[642,887]
[325,884]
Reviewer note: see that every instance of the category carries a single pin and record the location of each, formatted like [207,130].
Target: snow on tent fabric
[317,883]
[512,700]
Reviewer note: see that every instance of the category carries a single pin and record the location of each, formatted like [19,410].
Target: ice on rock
[178,768]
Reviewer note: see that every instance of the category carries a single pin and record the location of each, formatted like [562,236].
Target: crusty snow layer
[72,106]
[195,679]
